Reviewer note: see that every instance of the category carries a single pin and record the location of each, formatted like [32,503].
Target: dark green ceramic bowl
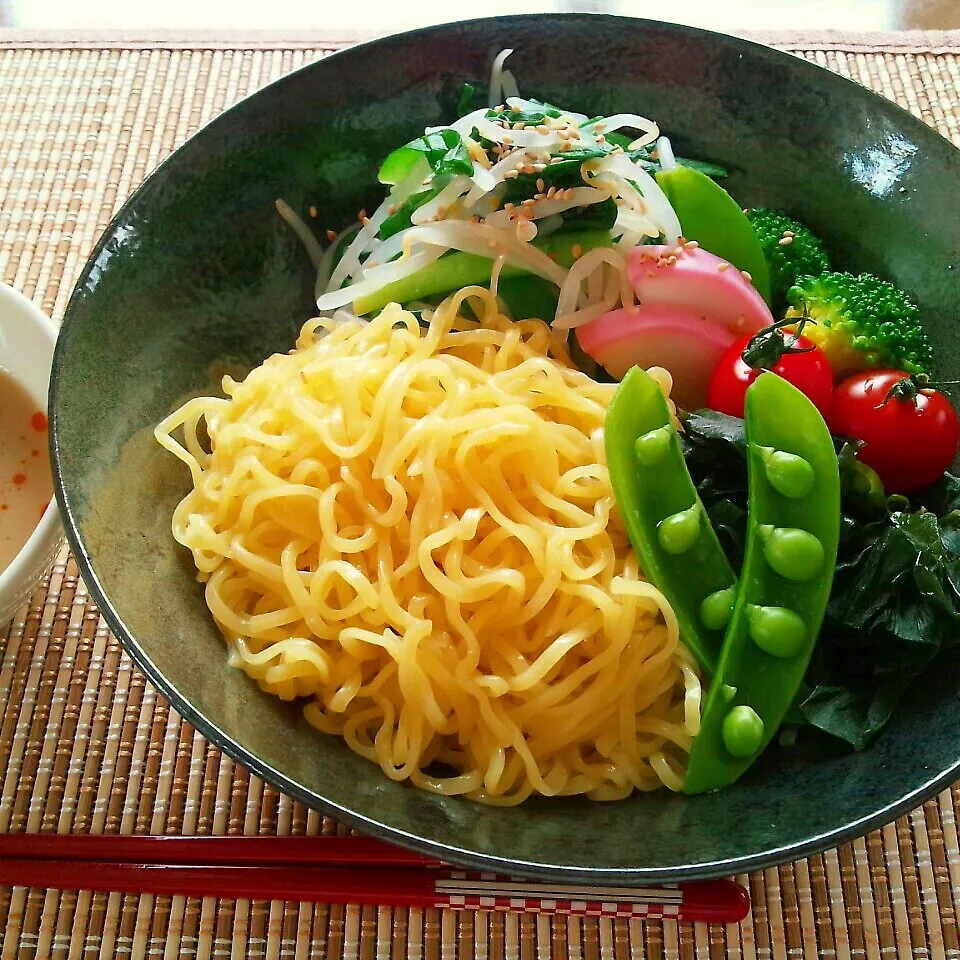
[197,272]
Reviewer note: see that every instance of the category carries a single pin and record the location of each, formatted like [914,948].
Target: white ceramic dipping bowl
[27,338]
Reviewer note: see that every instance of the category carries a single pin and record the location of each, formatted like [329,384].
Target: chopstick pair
[354,870]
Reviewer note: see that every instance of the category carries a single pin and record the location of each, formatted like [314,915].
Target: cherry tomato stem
[788,355]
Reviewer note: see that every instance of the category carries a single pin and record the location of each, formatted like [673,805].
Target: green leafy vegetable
[528,295]
[561,176]
[895,603]
[402,218]
[894,609]
[447,156]
[529,117]
[444,151]
[712,170]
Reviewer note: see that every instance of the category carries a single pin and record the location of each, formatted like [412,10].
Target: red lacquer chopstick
[203,851]
[286,868]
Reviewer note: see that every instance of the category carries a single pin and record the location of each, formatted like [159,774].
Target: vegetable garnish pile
[793,502]
[520,188]
[540,202]
[805,581]
[895,602]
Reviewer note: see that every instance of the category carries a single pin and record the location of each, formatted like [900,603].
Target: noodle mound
[413,528]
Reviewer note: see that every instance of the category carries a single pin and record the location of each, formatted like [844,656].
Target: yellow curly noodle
[413,529]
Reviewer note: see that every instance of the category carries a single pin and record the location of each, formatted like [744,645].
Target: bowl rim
[21,568]
[770,856]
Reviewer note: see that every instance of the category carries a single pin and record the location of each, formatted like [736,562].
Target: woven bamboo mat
[86,745]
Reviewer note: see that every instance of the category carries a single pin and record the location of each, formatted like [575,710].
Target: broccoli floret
[790,249]
[861,322]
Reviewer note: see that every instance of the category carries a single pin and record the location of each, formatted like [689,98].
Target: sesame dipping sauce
[25,481]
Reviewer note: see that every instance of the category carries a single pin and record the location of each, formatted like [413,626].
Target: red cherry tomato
[809,372]
[910,437]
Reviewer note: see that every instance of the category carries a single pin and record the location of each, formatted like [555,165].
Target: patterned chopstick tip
[574,908]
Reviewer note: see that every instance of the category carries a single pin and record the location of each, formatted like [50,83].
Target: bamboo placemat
[86,745]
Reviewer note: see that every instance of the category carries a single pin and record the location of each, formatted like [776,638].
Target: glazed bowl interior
[198,276]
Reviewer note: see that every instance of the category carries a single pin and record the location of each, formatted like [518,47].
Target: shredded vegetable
[494,183]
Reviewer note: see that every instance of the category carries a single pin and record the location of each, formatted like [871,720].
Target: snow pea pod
[793,526]
[668,526]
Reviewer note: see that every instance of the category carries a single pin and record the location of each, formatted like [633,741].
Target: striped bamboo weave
[87,745]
